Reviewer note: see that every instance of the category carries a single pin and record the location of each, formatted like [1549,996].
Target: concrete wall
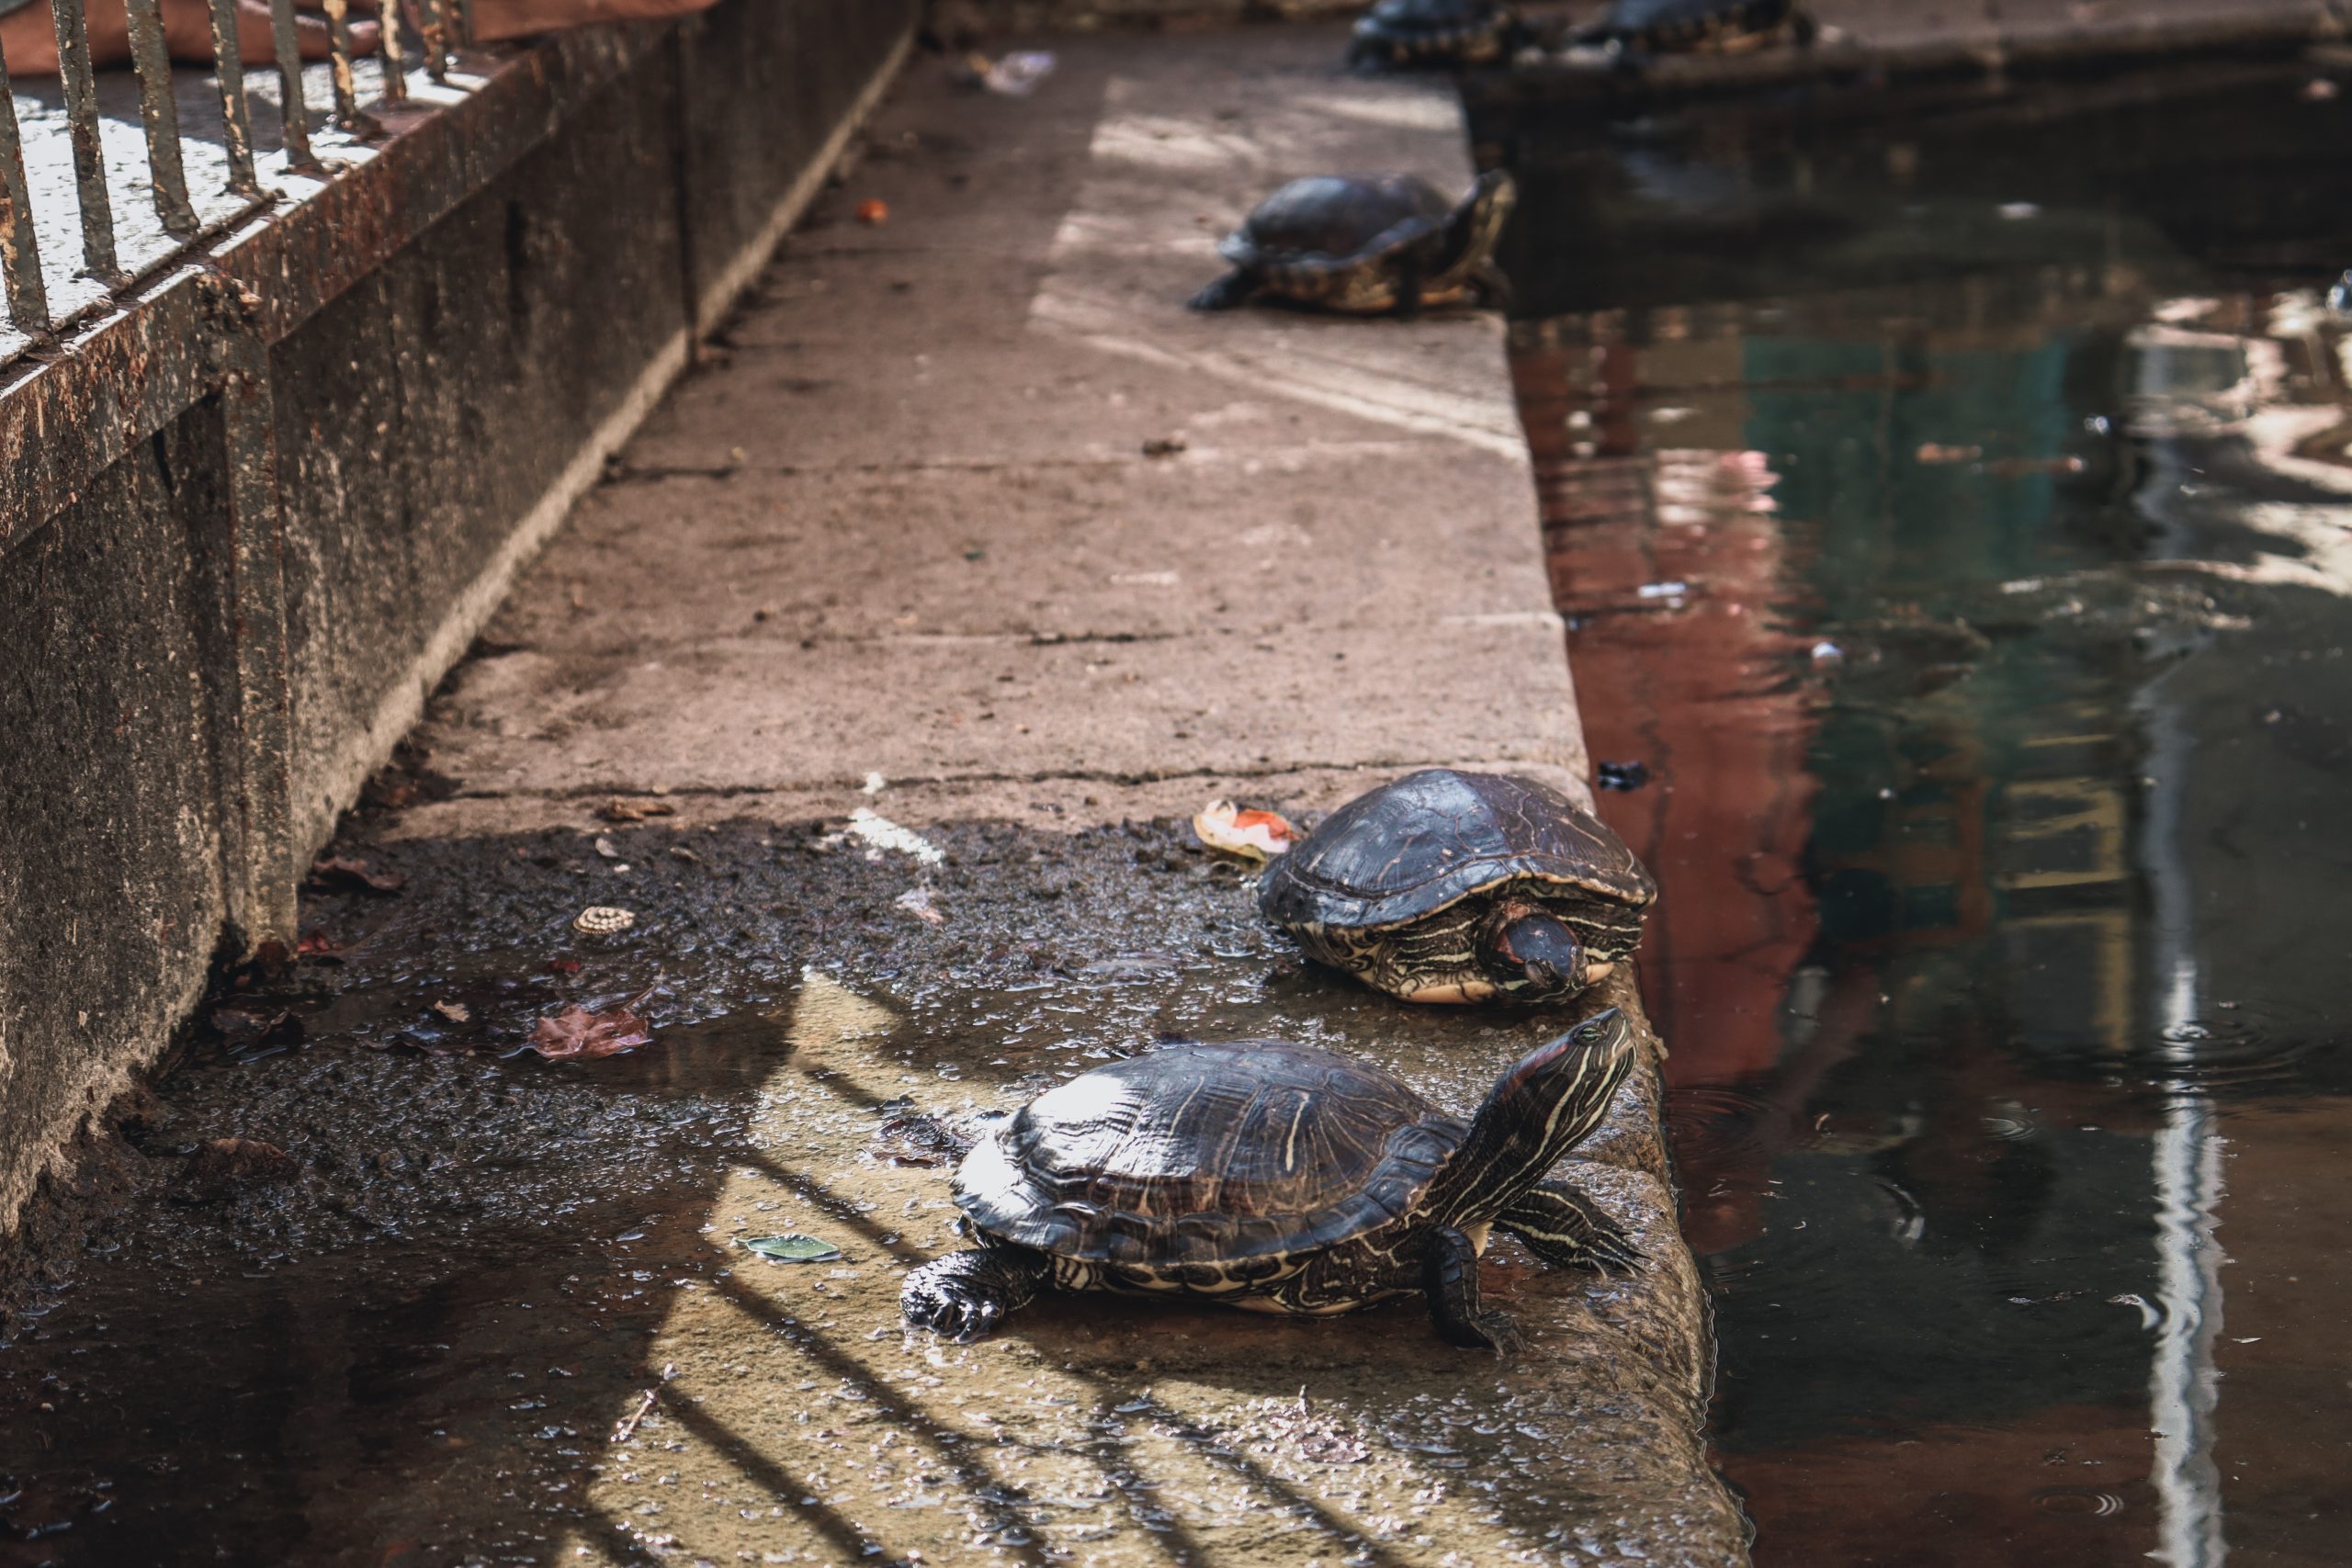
[434,421]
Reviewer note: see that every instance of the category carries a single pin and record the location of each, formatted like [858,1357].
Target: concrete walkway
[899,546]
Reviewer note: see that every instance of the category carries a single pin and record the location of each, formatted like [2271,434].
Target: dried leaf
[340,874]
[1253,835]
[578,1035]
[621,810]
[793,1248]
[317,947]
[455,1013]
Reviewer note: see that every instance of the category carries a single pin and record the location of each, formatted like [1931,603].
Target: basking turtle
[1682,27]
[1362,247]
[1278,1178]
[1408,33]
[1460,888]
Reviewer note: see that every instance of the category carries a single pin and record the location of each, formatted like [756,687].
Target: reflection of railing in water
[443,24]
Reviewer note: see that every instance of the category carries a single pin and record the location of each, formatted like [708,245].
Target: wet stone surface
[415,1338]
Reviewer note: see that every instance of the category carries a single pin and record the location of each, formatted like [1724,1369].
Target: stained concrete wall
[433,423]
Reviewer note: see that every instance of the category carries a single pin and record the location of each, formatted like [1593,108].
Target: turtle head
[1476,226]
[1548,1103]
[1532,953]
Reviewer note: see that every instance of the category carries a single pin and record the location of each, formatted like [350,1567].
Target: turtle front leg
[1561,1225]
[966,1294]
[1234,289]
[1451,1272]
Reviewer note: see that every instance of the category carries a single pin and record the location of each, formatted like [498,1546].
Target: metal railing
[438,28]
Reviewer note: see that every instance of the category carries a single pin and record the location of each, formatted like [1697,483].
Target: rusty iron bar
[19,248]
[294,114]
[436,17]
[159,113]
[236,118]
[389,26]
[347,91]
[72,26]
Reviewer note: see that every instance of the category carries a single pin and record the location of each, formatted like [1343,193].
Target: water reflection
[1980,618]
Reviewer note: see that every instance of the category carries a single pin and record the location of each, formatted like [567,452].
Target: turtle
[1448,886]
[1636,28]
[1366,244]
[1408,33]
[1278,1178]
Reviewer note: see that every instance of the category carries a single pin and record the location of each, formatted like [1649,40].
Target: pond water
[1953,514]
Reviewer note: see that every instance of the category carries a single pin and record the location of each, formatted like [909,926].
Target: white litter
[884,834]
[875,785]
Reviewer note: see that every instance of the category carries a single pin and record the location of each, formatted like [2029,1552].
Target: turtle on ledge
[1446,887]
[1406,34]
[1366,245]
[1279,1177]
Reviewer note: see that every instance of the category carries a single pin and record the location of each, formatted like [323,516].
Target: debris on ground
[884,834]
[578,1035]
[605,847]
[1163,446]
[455,1013]
[317,947]
[245,1027]
[1662,589]
[341,873]
[602,920]
[620,808]
[224,1164]
[1015,75]
[917,901]
[1622,775]
[793,1248]
[874,212]
[626,1428]
[1252,835]
[1827,652]
[916,1139]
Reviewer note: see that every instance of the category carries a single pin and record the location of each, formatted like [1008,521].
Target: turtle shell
[1338,218]
[1402,16]
[1681,23]
[1207,1153]
[1407,850]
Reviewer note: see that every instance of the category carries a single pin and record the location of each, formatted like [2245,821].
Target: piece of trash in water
[884,834]
[1826,652]
[1253,835]
[578,1035]
[2015,210]
[1623,775]
[455,1013]
[793,1248]
[1936,451]
[622,809]
[1163,446]
[1674,590]
[603,919]
[874,212]
[1017,74]
[916,901]
[343,874]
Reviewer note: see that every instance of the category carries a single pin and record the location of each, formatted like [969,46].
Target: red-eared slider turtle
[1459,887]
[1394,242]
[1409,33]
[1677,26]
[1278,1178]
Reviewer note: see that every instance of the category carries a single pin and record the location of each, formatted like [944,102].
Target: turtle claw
[964,1295]
[1499,1334]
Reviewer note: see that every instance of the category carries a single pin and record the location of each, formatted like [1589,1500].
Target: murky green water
[1954,514]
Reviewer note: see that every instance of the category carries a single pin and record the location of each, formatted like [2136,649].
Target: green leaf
[793,1248]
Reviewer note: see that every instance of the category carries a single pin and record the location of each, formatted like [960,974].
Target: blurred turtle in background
[1366,245]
